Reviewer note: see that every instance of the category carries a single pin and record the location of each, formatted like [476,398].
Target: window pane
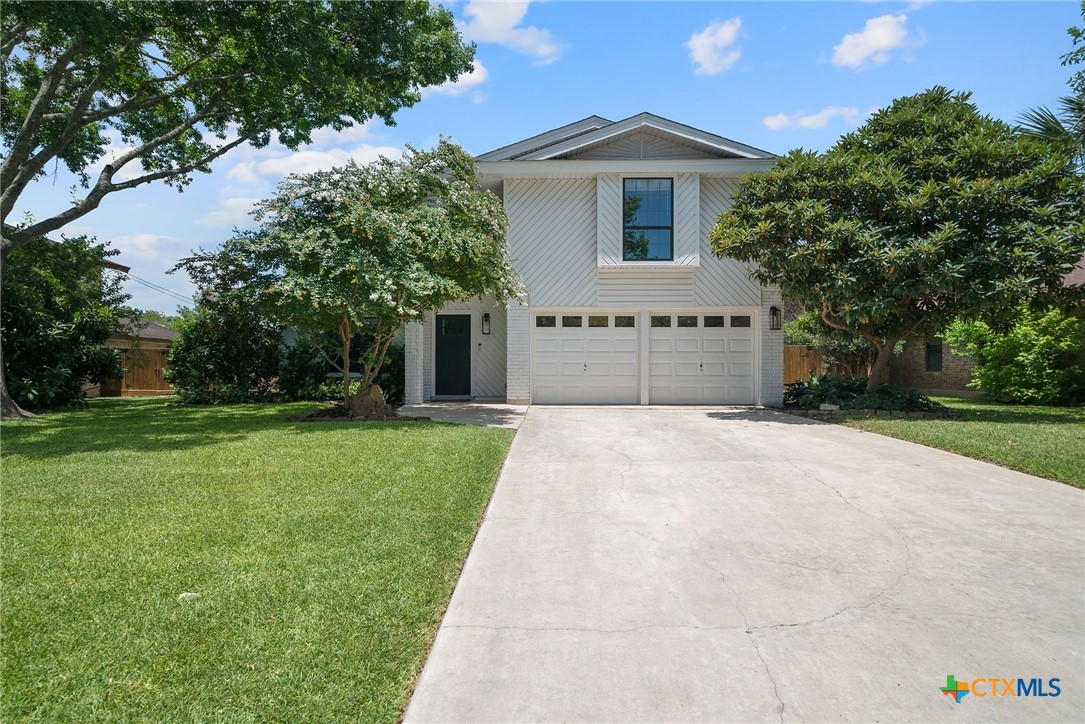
[625,321]
[542,321]
[576,321]
[661,321]
[740,321]
[648,219]
[714,321]
[934,356]
[602,321]
[687,321]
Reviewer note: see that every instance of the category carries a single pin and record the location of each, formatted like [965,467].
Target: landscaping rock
[187,596]
[827,406]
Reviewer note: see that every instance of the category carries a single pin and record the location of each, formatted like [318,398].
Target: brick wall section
[910,369]
[413,360]
[518,355]
[772,351]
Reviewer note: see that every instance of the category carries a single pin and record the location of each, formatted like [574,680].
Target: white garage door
[583,358]
[701,359]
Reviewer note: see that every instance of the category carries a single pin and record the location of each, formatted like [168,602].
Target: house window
[648,219]
[934,356]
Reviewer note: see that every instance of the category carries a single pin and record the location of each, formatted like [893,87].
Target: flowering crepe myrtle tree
[171,86]
[928,213]
[368,248]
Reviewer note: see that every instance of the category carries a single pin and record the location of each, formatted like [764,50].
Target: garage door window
[740,321]
[576,321]
[625,321]
[661,320]
[546,321]
[684,321]
[600,321]
[715,321]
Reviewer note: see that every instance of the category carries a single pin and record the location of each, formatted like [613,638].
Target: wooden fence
[800,362]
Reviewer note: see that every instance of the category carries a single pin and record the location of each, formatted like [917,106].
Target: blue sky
[773,75]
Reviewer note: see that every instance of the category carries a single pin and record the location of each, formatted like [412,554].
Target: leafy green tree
[169,321]
[844,353]
[1067,124]
[227,352]
[178,84]
[369,249]
[60,306]
[928,212]
[1038,360]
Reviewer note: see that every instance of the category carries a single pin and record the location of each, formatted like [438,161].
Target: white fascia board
[637,122]
[542,140]
[711,166]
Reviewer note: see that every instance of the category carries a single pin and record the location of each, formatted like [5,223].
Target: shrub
[850,393]
[1037,361]
[60,306]
[226,353]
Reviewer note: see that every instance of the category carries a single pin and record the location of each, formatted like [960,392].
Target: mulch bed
[336,412]
[830,415]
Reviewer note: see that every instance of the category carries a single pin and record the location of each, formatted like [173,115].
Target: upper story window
[648,211]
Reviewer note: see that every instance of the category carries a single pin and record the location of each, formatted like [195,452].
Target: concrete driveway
[664,564]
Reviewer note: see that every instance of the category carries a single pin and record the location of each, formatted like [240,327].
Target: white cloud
[803,120]
[871,45]
[499,23]
[229,212]
[711,51]
[468,81]
[276,165]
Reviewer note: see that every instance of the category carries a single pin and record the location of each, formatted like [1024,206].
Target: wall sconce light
[486,323]
[776,318]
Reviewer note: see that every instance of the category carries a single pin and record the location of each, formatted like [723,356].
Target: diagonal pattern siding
[551,239]
[687,219]
[720,282]
[609,231]
[488,351]
[641,145]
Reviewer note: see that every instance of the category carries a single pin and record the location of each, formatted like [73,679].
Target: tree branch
[12,39]
[24,140]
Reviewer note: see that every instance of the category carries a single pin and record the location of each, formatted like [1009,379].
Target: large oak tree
[179,84]
[929,212]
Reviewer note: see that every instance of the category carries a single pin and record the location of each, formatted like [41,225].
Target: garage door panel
[584,365]
[701,365]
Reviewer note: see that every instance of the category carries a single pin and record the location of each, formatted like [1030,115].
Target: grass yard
[1044,441]
[323,554]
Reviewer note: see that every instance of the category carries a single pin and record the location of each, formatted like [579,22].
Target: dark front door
[453,373]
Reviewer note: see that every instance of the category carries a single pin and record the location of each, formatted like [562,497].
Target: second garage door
[701,359]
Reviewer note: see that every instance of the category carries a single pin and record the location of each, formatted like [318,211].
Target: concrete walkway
[648,564]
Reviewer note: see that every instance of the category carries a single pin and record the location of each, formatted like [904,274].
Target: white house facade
[625,302]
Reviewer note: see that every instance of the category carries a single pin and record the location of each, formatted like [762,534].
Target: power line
[160,289]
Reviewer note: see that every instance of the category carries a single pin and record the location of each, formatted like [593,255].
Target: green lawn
[1044,441]
[323,554]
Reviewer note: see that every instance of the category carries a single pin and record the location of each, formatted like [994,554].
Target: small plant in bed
[850,394]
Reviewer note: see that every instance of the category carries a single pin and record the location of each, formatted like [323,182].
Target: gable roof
[144,330]
[594,132]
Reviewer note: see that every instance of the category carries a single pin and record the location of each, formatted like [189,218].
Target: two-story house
[625,303]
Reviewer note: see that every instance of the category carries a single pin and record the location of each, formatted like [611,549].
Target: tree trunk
[9,409]
[881,364]
[346,367]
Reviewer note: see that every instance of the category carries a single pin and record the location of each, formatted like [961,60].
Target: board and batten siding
[551,239]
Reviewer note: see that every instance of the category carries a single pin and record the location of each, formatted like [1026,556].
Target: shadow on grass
[976,411]
[150,425]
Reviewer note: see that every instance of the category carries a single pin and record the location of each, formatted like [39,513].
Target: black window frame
[934,349]
[626,228]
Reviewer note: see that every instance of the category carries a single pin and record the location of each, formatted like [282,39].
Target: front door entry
[453,358]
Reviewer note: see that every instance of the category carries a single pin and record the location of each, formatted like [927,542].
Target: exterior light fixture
[486,323]
[776,318]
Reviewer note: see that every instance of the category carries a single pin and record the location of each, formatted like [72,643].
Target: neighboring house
[933,367]
[143,346]
[625,302]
